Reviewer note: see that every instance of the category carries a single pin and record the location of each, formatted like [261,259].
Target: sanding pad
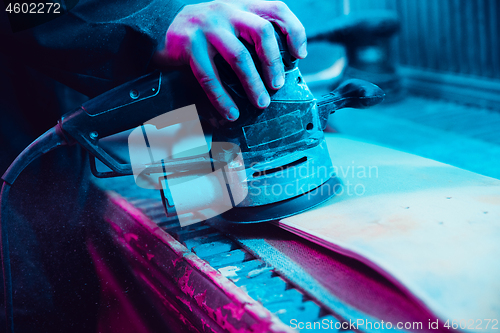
[285,208]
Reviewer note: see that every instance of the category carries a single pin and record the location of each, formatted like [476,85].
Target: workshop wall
[452,36]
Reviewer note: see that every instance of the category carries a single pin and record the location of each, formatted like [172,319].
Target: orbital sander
[279,154]
[288,167]
[284,165]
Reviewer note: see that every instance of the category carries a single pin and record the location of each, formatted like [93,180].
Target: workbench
[217,277]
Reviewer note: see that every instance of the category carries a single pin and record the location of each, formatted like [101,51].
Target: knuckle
[219,98]
[208,82]
[240,58]
[275,61]
[280,7]
[266,29]
[198,19]
[218,7]
[211,23]
[206,22]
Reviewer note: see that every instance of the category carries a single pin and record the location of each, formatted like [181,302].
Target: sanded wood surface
[431,228]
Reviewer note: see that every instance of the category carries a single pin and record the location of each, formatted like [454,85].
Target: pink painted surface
[227,304]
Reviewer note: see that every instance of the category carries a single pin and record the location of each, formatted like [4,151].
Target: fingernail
[233,114]
[264,99]
[303,50]
[279,81]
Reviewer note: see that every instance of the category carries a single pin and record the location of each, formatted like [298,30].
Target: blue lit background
[447,56]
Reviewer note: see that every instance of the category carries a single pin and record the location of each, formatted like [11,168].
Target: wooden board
[431,228]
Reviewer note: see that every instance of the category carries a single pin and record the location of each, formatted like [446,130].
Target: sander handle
[130,105]
[354,93]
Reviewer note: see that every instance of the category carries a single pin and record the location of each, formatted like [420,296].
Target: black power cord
[45,143]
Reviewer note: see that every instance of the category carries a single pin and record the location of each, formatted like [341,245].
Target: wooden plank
[431,228]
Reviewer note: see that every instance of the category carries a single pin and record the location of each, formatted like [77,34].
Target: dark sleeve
[97,45]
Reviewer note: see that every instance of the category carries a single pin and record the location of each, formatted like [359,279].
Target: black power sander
[283,147]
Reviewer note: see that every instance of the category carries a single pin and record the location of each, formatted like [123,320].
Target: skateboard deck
[431,228]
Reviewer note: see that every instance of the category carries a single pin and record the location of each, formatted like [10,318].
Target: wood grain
[431,228]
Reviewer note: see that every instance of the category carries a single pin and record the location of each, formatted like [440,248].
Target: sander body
[287,167]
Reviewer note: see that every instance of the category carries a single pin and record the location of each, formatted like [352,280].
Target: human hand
[200,31]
